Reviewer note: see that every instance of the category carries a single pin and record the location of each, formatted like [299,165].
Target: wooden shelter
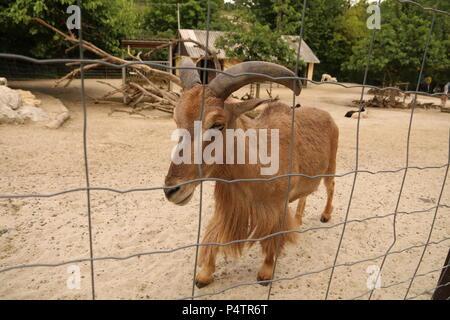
[148,44]
[189,49]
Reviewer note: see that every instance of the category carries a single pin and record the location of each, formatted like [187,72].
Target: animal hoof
[200,285]
[323,219]
[261,279]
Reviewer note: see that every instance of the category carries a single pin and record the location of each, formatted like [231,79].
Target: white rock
[32,113]
[10,98]
[19,105]
[28,99]
[8,115]
[3,82]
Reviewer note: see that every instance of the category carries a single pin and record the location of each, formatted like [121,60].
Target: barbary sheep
[251,209]
[327,78]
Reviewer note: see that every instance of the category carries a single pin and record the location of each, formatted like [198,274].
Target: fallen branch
[110,58]
[134,94]
[166,94]
[149,94]
[71,75]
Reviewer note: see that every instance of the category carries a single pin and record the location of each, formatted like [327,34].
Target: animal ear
[189,77]
[238,108]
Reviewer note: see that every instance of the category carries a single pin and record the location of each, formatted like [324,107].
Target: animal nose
[170,192]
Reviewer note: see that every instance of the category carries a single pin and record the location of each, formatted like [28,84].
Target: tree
[104,22]
[322,19]
[249,40]
[350,28]
[400,43]
[160,16]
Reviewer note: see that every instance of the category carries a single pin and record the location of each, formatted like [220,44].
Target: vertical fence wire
[296,82]
[289,175]
[432,223]
[199,141]
[408,142]
[85,153]
[361,103]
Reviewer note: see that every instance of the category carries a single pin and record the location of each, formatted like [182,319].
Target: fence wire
[394,224]
[366,71]
[354,172]
[85,156]
[199,166]
[291,148]
[162,66]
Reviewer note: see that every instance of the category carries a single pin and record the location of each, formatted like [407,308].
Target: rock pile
[16,106]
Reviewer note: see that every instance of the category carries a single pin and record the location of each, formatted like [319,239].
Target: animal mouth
[185,200]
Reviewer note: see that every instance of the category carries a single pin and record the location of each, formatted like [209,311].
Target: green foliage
[335,30]
[323,19]
[160,16]
[160,19]
[105,22]
[349,29]
[400,44]
[250,40]
[337,33]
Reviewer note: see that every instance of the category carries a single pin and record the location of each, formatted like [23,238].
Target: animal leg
[329,181]
[300,210]
[268,247]
[207,259]
[329,184]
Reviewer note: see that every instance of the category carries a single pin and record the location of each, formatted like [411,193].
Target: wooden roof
[192,50]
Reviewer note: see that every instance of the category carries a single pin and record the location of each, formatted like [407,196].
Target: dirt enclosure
[134,152]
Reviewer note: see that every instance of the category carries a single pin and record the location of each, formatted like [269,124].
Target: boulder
[18,105]
[28,99]
[10,98]
[8,115]
[32,113]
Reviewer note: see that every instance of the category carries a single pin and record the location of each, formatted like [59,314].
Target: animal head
[217,114]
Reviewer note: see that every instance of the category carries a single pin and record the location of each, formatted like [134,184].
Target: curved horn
[223,85]
[189,77]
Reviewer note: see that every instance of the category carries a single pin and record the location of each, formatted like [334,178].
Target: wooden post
[443,293]
[124,77]
[170,65]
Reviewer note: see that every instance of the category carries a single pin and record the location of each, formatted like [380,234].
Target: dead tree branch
[132,92]
[110,58]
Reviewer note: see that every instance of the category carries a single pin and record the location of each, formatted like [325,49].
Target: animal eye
[217,126]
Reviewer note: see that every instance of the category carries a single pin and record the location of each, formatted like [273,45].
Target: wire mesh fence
[353,173]
[17,69]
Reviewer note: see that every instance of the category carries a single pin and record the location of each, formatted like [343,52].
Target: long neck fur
[239,213]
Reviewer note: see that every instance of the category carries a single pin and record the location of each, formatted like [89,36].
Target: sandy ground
[134,152]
